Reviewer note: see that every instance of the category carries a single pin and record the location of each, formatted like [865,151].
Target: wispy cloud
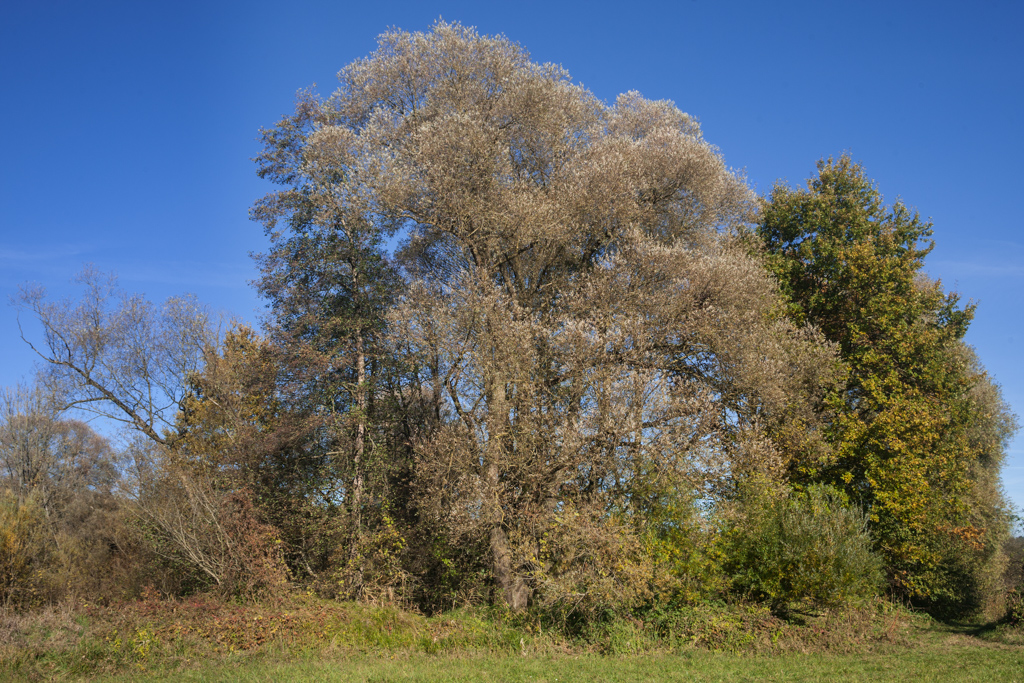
[190,276]
[975,268]
[26,256]
[1004,244]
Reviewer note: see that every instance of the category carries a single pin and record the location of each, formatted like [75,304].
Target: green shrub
[681,541]
[805,548]
[1014,608]
[1013,583]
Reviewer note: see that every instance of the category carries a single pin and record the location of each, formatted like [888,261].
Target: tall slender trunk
[357,485]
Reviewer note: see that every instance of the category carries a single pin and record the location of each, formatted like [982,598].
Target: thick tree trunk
[514,590]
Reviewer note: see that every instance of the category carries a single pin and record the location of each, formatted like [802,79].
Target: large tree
[44,454]
[580,314]
[915,400]
[328,282]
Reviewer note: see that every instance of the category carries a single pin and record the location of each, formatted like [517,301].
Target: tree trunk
[496,453]
[357,485]
[514,590]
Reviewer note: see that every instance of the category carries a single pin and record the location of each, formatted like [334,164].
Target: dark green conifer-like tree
[329,283]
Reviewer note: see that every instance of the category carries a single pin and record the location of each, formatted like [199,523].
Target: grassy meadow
[308,639]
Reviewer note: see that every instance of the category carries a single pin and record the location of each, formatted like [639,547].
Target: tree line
[528,348]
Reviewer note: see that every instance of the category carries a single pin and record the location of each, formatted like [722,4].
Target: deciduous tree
[62,524]
[117,355]
[579,309]
[907,436]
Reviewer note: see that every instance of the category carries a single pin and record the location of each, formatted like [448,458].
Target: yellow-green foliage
[808,548]
[683,544]
[48,558]
[372,567]
[23,549]
[919,431]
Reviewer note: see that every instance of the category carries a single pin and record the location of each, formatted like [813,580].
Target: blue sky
[130,126]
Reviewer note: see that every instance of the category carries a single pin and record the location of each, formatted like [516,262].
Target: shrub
[1013,583]
[590,566]
[804,548]
[683,543]
[1014,608]
[451,573]
[23,549]
[371,567]
[199,530]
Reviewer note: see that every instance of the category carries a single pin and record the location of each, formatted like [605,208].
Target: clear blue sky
[130,126]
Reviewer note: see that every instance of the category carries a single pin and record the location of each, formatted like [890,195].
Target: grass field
[966,665]
[304,639]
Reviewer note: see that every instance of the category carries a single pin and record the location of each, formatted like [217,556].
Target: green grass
[966,665]
[302,638]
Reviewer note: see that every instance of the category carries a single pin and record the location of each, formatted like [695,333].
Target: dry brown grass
[53,630]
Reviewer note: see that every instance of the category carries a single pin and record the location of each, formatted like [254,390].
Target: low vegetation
[205,637]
